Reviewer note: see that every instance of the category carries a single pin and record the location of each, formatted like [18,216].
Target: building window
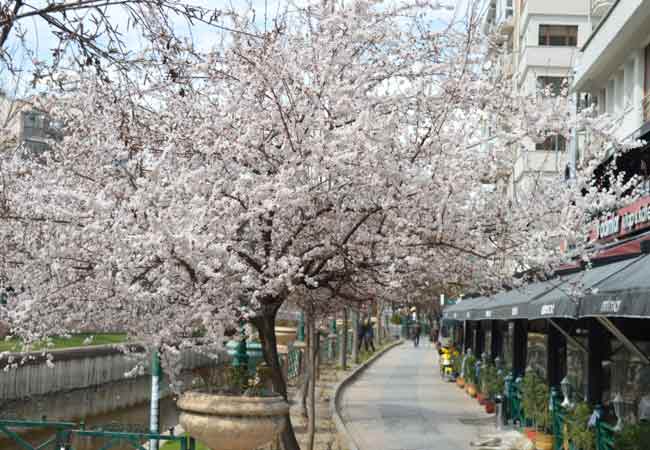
[550,85]
[555,142]
[509,9]
[558,35]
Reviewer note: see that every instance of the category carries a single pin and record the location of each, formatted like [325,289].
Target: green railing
[605,436]
[10,428]
[63,434]
[294,359]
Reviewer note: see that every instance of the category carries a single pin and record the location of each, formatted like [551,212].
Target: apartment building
[26,127]
[614,72]
[537,42]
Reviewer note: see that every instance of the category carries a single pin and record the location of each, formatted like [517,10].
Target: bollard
[499,412]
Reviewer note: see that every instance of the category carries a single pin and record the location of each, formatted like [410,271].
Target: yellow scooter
[446,363]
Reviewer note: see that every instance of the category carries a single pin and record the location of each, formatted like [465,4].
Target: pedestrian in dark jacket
[369,336]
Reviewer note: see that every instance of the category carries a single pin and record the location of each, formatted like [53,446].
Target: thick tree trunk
[265,324]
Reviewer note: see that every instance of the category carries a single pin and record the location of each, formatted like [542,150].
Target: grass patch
[177,446]
[77,340]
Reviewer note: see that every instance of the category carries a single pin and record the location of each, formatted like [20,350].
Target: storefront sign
[608,227]
[548,309]
[627,220]
[610,306]
[515,311]
[488,314]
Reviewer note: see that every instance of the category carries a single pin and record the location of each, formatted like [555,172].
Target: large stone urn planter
[285,335]
[224,422]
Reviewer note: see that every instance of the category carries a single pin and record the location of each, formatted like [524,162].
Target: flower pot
[543,441]
[460,382]
[530,433]
[482,398]
[490,407]
[232,423]
[471,390]
[285,335]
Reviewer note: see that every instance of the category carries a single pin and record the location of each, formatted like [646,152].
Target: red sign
[627,220]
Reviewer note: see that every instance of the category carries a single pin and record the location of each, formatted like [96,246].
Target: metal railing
[63,434]
[645,106]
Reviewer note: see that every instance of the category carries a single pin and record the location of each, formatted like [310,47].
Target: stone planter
[285,335]
[232,423]
[543,441]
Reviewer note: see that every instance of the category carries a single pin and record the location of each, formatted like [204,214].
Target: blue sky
[41,41]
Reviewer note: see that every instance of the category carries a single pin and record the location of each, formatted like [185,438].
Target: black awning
[564,300]
[463,309]
[625,293]
[513,304]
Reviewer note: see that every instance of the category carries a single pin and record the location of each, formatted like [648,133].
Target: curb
[338,391]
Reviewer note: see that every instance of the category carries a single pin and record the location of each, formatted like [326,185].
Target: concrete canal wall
[87,368]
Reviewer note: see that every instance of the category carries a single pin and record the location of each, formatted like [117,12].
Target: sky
[39,38]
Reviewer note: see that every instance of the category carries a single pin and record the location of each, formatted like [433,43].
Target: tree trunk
[313,355]
[343,350]
[306,369]
[265,324]
[355,337]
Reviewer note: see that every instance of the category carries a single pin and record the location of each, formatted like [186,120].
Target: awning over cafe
[513,304]
[564,300]
[621,288]
[463,309]
[625,293]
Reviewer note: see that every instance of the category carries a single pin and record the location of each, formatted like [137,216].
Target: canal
[61,407]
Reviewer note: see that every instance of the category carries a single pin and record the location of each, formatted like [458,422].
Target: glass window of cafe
[507,346]
[628,376]
[576,367]
[536,355]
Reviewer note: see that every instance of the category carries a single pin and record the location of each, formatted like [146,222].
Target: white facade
[540,47]
[614,67]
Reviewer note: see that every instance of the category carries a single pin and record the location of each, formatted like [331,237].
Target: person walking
[369,336]
[417,329]
[361,335]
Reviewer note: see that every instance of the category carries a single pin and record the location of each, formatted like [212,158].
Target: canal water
[133,418]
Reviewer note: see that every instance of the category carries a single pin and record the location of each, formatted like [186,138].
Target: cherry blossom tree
[337,156]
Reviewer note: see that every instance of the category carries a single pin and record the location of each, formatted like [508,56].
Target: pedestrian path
[401,403]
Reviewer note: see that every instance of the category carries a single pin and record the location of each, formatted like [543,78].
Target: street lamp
[565,384]
[617,402]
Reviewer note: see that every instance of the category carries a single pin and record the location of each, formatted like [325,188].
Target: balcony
[600,7]
[507,65]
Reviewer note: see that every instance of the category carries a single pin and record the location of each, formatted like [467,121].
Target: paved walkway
[401,403]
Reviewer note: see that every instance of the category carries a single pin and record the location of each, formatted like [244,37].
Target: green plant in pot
[470,374]
[633,437]
[231,409]
[577,430]
[535,402]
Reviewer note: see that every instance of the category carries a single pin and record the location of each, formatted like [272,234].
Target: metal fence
[63,436]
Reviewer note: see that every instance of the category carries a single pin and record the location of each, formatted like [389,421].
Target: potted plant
[633,437]
[470,375]
[458,364]
[577,430]
[494,385]
[240,414]
[535,402]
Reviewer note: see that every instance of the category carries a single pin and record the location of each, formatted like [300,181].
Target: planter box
[232,423]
